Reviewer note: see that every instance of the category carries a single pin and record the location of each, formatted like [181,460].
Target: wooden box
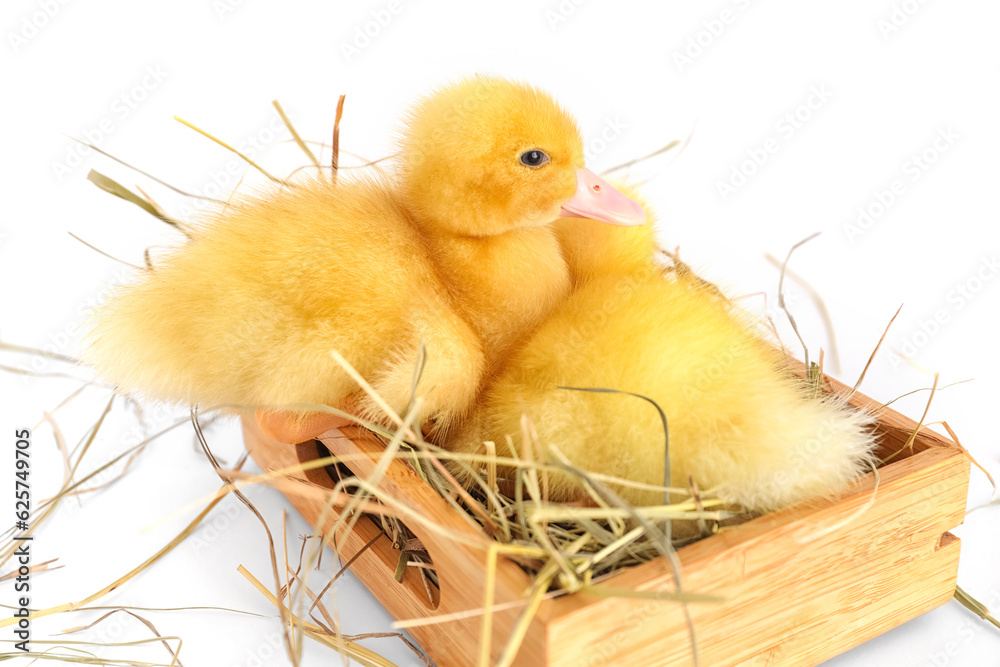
[800,585]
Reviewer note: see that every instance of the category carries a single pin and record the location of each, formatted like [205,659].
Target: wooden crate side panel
[461,568]
[407,596]
[776,585]
[782,634]
[891,596]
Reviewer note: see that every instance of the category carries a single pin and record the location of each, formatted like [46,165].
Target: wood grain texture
[800,585]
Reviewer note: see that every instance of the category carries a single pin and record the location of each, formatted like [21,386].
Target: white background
[893,77]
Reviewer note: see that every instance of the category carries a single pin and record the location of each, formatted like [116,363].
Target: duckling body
[738,422]
[455,251]
[248,311]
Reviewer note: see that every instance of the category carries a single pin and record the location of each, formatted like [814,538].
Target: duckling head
[486,156]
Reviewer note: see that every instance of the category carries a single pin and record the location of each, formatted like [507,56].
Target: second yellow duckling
[737,422]
[592,250]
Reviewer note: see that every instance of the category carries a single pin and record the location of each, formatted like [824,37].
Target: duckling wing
[248,311]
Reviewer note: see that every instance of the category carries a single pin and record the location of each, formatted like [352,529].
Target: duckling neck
[506,284]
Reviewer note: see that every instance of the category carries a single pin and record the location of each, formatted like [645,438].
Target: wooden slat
[814,597]
[461,568]
[380,557]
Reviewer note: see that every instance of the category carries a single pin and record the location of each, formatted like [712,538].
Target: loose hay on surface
[565,549]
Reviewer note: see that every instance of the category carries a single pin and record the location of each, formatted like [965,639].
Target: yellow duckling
[737,421]
[489,166]
[249,311]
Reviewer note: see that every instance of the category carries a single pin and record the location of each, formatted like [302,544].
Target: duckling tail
[825,443]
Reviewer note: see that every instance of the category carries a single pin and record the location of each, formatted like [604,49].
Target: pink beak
[597,200]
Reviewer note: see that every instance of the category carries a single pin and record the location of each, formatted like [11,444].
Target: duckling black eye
[534,158]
